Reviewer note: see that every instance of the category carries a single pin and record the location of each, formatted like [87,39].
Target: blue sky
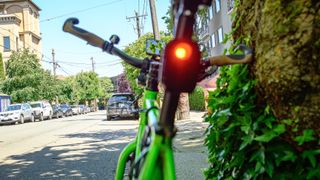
[102,17]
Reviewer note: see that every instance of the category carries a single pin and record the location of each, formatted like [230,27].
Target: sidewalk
[189,151]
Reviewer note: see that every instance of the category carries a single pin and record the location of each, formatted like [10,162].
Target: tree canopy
[107,87]
[26,80]
[88,85]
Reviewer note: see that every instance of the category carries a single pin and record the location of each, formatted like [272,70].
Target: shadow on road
[91,155]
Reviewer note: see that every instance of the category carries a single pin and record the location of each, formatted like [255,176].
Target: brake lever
[204,72]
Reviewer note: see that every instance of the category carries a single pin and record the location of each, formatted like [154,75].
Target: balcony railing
[203,32]
[9,19]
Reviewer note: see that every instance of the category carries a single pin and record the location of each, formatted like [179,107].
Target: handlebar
[216,61]
[94,40]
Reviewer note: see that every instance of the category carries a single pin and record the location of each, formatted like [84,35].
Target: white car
[42,110]
[75,109]
[17,113]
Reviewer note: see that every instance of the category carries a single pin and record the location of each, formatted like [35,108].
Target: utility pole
[54,63]
[54,71]
[154,20]
[137,19]
[93,63]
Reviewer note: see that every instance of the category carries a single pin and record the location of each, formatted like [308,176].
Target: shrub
[196,99]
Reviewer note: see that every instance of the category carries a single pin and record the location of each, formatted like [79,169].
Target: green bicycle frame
[160,149]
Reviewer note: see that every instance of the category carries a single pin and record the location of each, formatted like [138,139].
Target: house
[19,27]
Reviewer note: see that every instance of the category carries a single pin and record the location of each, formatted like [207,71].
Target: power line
[62,69]
[78,53]
[82,10]
[109,65]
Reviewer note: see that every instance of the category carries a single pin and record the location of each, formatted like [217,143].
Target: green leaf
[288,156]
[311,155]
[266,137]
[246,141]
[270,134]
[279,129]
[314,173]
[287,121]
[258,156]
[267,109]
[307,136]
[268,121]
[269,168]
[245,129]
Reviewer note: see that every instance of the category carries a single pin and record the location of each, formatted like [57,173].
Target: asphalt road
[78,147]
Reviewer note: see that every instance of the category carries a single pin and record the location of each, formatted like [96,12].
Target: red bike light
[183,51]
[180,65]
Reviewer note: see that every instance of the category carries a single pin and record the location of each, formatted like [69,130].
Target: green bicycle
[150,155]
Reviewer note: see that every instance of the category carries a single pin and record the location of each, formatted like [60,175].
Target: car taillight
[181,65]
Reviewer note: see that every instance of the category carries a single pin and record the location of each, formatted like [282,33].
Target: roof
[16,104]
[30,1]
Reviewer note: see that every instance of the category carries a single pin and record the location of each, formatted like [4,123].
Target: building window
[213,41]
[208,48]
[220,35]
[218,5]
[210,13]
[6,43]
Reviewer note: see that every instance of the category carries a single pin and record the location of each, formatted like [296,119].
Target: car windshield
[35,105]
[121,98]
[74,106]
[13,107]
[64,106]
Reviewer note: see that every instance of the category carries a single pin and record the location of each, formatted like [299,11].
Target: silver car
[17,113]
[42,110]
[75,109]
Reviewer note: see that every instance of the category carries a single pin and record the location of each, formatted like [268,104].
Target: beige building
[214,27]
[19,27]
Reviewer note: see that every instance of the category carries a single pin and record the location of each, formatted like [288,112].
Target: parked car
[122,105]
[93,108]
[42,110]
[87,109]
[17,113]
[76,109]
[82,109]
[57,111]
[66,109]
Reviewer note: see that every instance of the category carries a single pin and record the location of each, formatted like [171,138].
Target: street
[85,146]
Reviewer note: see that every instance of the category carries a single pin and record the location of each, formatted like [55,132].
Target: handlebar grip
[91,38]
[232,59]
[226,60]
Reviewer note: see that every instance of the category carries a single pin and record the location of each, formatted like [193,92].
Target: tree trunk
[183,110]
[285,36]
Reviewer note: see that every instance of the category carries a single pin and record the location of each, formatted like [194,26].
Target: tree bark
[183,110]
[285,36]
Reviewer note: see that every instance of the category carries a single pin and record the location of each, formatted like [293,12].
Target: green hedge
[196,99]
[245,141]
